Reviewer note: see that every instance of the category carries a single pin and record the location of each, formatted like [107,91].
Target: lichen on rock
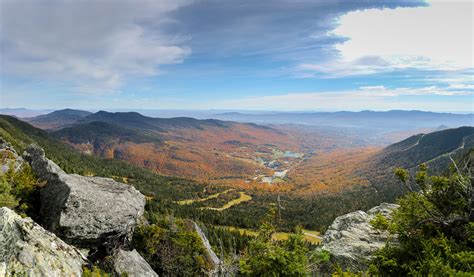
[26,249]
[9,158]
[88,212]
[352,240]
[131,264]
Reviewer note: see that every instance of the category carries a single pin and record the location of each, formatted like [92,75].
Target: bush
[19,191]
[266,257]
[436,237]
[171,247]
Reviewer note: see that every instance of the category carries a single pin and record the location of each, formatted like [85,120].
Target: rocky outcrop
[88,212]
[26,249]
[9,158]
[352,240]
[131,264]
[214,260]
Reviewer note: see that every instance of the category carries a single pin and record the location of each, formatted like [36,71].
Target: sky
[288,55]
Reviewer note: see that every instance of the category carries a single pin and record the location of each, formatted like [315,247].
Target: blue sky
[237,54]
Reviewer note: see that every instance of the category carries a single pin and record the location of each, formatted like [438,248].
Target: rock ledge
[88,212]
[351,239]
[26,249]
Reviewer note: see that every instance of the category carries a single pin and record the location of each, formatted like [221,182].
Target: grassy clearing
[243,198]
[190,201]
[310,236]
[242,231]
[117,178]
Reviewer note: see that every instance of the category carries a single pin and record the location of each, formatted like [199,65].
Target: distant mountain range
[213,150]
[57,119]
[136,120]
[182,146]
[387,121]
[22,112]
[216,149]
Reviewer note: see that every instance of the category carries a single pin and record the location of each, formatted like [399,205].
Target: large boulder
[9,159]
[352,240]
[131,264]
[89,212]
[26,249]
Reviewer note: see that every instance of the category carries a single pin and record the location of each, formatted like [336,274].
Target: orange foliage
[227,156]
[331,171]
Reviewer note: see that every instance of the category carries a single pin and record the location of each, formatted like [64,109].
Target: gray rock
[89,212]
[26,249]
[215,261]
[131,264]
[351,239]
[9,158]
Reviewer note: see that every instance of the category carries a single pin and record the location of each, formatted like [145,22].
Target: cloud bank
[94,45]
[434,37]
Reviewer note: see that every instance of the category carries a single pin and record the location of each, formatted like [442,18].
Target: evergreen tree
[433,225]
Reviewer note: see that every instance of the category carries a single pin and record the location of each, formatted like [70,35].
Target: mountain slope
[137,121]
[429,148]
[435,149]
[21,134]
[198,149]
[57,119]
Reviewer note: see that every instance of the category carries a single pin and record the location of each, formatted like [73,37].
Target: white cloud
[461,86]
[434,37]
[431,90]
[95,45]
[437,36]
[333,69]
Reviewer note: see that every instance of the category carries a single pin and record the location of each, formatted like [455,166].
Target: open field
[243,198]
[190,201]
[310,236]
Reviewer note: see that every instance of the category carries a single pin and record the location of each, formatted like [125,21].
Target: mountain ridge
[386,121]
[57,119]
[173,146]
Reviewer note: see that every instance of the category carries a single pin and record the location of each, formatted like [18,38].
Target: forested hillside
[312,210]
[186,147]
[172,201]
[436,150]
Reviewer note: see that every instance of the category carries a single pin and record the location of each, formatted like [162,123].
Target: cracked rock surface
[88,212]
[26,249]
[352,240]
[130,263]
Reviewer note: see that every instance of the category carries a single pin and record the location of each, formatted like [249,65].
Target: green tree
[266,257]
[433,226]
[19,191]
[6,198]
[171,247]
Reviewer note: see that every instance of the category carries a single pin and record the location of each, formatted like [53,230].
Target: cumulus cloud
[95,45]
[434,37]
